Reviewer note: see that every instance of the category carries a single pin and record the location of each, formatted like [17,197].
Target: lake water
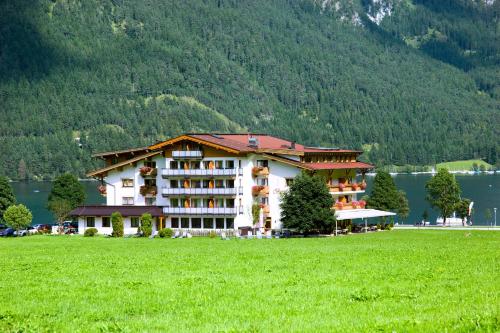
[483,189]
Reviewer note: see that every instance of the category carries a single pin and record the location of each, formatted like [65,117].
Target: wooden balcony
[148,189]
[260,171]
[146,171]
[347,187]
[260,190]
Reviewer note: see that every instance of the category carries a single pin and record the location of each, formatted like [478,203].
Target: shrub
[90,232]
[166,233]
[212,234]
[117,223]
[146,224]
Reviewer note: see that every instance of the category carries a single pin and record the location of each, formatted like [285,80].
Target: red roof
[331,165]
[240,142]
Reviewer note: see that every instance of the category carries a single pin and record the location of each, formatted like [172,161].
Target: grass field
[462,165]
[397,281]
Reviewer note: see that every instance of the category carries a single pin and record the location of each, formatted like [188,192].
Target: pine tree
[384,194]
[7,197]
[67,187]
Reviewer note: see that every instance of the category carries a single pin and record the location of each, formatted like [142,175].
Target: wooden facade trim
[105,170]
[190,138]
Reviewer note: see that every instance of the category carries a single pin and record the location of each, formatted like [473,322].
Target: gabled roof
[119,152]
[121,164]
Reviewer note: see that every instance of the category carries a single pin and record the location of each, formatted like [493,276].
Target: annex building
[215,181]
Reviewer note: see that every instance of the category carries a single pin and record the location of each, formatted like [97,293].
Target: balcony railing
[347,188]
[187,154]
[166,191]
[201,172]
[199,211]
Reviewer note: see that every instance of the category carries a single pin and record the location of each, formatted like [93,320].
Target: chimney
[292,145]
[253,142]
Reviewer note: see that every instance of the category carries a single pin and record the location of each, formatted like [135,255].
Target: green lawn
[394,281]
[462,165]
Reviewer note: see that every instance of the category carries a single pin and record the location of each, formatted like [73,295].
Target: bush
[166,233]
[212,234]
[90,232]
[146,224]
[117,223]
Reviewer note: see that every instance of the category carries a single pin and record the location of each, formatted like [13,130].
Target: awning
[351,214]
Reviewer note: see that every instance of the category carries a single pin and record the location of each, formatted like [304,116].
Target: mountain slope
[319,73]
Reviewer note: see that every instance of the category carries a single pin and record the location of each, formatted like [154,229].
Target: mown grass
[402,281]
[465,165]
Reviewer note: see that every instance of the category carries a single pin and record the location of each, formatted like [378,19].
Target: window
[106,222]
[174,222]
[219,164]
[219,183]
[262,181]
[196,223]
[127,201]
[150,182]
[208,223]
[229,164]
[229,223]
[185,223]
[150,201]
[174,183]
[264,200]
[194,165]
[262,163]
[196,183]
[151,164]
[219,223]
[230,183]
[90,222]
[174,165]
[219,202]
[174,202]
[206,183]
[230,203]
[195,202]
[134,222]
[289,181]
[127,182]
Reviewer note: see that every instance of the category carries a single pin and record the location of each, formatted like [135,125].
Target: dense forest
[410,82]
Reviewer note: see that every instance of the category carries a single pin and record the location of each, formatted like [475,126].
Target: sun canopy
[360,214]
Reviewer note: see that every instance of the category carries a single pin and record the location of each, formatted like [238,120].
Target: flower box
[148,171]
[102,190]
[341,187]
[363,185]
[362,204]
[148,189]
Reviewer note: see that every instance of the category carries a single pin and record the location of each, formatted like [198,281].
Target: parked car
[43,227]
[26,232]
[70,227]
[9,232]
[3,226]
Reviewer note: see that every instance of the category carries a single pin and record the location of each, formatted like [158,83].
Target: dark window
[185,223]
[174,202]
[174,183]
[174,165]
[127,182]
[208,223]
[230,203]
[219,223]
[151,164]
[230,183]
[219,164]
[150,201]
[150,182]
[229,164]
[134,222]
[90,222]
[175,222]
[106,222]
[262,163]
[289,181]
[196,223]
[229,223]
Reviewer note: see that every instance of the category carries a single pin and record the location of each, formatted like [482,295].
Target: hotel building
[214,181]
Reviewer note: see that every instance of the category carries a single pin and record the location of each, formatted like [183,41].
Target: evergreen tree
[146,224]
[443,192]
[67,187]
[117,223]
[7,197]
[462,208]
[404,208]
[384,194]
[307,205]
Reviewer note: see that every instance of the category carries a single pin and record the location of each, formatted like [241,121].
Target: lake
[483,189]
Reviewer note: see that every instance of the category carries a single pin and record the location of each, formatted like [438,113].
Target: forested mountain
[408,81]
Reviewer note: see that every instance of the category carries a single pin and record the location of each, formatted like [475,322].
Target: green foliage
[443,192]
[307,205]
[488,215]
[166,233]
[67,187]
[384,194]
[157,275]
[425,215]
[117,223]
[7,197]
[18,217]
[462,208]
[212,234]
[86,76]
[146,224]
[90,232]
[60,208]
[255,213]
[403,209]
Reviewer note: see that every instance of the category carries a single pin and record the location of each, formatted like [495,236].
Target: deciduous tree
[307,205]
[18,217]
[117,223]
[443,193]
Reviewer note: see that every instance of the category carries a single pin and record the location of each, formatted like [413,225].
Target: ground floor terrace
[390,281]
